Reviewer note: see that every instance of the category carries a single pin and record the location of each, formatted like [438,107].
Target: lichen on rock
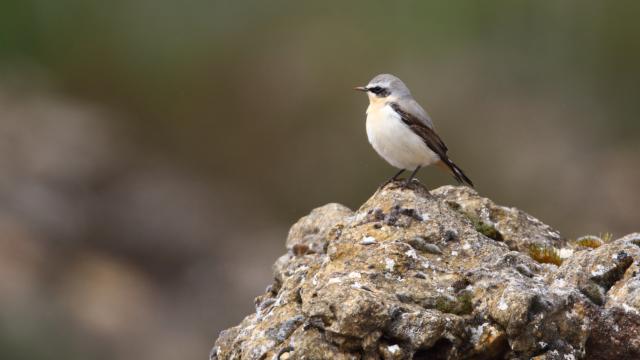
[440,275]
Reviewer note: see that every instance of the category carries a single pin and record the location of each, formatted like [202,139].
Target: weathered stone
[419,243]
[626,292]
[413,275]
[312,230]
[615,334]
[605,275]
[516,228]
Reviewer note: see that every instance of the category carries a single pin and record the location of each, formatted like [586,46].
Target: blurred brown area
[154,153]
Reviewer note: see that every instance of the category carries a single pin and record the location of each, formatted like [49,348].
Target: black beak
[361,88]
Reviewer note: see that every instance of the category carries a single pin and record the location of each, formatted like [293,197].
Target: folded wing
[432,140]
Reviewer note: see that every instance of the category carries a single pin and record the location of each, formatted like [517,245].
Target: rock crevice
[440,275]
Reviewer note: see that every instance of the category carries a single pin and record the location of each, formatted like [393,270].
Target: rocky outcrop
[440,275]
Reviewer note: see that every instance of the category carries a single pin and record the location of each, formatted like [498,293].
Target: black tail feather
[458,174]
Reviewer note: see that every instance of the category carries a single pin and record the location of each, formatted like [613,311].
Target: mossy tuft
[606,237]
[484,228]
[487,230]
[545,254]
[594,242]
[460,305]
[589,241]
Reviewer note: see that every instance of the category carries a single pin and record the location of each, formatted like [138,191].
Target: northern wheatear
[400,130]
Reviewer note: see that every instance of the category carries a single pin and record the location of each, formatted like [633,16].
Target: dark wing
[432,140]
[429,136]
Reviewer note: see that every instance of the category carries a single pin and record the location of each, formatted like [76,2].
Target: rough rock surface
[440,275]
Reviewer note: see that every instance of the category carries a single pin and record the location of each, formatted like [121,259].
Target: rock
[311,231]
[595,272]
[419,243]
[615,334]
[516,228]
[440,275]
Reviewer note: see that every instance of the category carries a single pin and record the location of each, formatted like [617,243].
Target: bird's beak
[360,88]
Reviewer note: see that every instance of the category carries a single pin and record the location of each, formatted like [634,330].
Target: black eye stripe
[379,91]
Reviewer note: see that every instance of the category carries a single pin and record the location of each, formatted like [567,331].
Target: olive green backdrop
[154,153]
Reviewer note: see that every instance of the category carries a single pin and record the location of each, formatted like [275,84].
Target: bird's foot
[408,183]
[398,184]
[384,184]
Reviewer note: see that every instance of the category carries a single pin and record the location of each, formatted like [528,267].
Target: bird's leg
[391,179]
[410,178]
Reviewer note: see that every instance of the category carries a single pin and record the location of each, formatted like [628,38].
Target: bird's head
[384,87]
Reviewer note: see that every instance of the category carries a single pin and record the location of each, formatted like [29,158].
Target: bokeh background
[154,153]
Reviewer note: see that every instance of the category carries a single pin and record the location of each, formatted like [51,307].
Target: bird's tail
[457,173]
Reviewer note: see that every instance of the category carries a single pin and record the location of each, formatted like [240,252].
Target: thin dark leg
[393,178]
[413,174]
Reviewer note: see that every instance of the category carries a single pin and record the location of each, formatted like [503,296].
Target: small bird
[400,130]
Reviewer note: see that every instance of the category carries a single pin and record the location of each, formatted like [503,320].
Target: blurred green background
[154,153]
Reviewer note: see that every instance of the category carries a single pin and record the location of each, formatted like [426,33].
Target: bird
[402,132]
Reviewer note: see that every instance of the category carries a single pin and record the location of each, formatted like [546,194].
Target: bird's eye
[379,91]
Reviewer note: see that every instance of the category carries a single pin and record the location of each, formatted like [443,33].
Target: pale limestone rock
[446,276]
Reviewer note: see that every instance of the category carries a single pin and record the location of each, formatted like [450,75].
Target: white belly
[395,141]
